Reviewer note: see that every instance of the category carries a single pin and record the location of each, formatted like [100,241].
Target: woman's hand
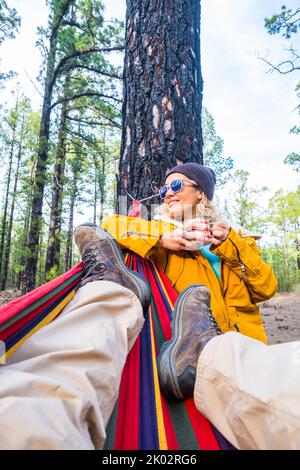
[220,232]
[173,241]
[190,237]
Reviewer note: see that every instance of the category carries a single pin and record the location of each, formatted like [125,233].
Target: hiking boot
[103,260]
[193,325]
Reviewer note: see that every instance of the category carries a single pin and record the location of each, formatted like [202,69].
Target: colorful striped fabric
[142,419]
[22,317]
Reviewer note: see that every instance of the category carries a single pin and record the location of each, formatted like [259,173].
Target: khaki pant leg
[251,392]
[59,389]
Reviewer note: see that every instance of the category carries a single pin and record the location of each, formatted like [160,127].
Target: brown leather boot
[103,260]
[193,325]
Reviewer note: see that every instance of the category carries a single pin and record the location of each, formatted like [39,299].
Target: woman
[65,379]
[230,267]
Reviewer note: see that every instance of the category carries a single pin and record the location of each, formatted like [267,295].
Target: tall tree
[10,137]
[162,92]
[59,9]
[213,149]
[77,164]
[71,35]
[12,208]
[245,203]
[284,218]
[53,248]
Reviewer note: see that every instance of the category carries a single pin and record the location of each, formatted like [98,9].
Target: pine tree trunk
[69,244]
[25,230]
[53,247]
[95,196]
[74,193]
[11,216]
[102,188]
[6,200]
[29,274]
[162,93]
[100,183]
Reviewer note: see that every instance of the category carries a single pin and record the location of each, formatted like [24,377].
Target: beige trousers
[59,389]
[251,392]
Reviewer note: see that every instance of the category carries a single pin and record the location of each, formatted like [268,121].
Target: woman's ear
[200,195]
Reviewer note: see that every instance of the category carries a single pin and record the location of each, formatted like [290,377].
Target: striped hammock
[144,421]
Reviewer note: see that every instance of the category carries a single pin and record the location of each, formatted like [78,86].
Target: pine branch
[80,95]
[92,50]
[92,123]
[96,70]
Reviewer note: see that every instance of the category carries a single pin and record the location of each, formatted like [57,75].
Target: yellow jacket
[245,278]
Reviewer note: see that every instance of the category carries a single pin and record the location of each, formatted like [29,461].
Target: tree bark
[162,93]
[102,188]
[6,200]
[12,210]
[73,196]
[69,244]
[53,247]
[26,221]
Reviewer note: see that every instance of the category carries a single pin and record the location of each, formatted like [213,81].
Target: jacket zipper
[139,234]
[241,264]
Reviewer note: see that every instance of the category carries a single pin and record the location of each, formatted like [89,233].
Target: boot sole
[144,292]
[165,360]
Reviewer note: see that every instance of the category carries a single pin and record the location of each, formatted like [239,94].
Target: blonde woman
[193,246]
[248,391]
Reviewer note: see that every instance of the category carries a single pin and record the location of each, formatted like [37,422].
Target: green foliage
[9,24]
[294,160]
[52,274]
[284,214]
[287,22]
[284,266]
[244,205]
[9,21]
[284,219]
[213,149]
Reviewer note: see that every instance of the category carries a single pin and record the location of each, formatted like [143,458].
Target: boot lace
[214,324]
[93,263]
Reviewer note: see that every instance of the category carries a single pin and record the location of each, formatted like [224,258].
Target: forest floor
[281,315]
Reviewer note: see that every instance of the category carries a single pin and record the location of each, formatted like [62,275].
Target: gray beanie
[203,175]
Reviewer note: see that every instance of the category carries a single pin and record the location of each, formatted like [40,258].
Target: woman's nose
[169,192]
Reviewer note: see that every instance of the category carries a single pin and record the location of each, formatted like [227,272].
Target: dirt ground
[281,315]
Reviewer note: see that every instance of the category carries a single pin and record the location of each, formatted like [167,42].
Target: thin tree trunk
[162,93]
[74,193]
[26,228]
[100,179]
[53,247]
[95,195]
[6,199]
[69,244]
[102,188]
[11,216]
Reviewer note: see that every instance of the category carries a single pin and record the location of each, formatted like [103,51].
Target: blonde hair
[205,209]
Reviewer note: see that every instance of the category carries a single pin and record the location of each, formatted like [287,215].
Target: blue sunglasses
[176,186]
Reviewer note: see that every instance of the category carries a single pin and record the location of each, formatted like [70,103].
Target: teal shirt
[213,259]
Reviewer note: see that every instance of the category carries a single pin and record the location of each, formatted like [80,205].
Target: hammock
[145,421]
